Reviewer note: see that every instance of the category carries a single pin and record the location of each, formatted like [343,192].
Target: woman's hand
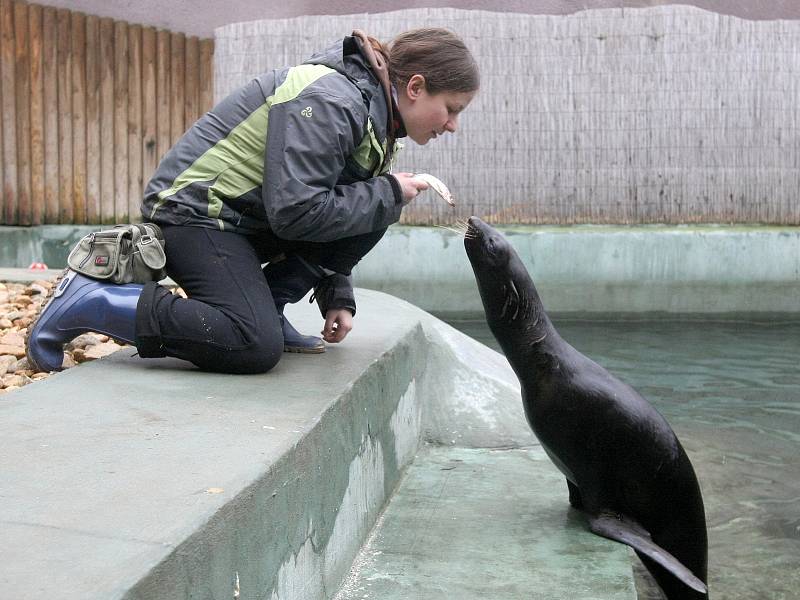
[411,187]
[338,323]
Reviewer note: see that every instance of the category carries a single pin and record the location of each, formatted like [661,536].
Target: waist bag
[124,254]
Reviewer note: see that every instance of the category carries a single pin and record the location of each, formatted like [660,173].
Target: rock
[69,362]
[14,314]
[84,340]
[12,338]
[21,365]
[10,388]
[38,289]
[23,300]
[5,323]
[14,380]
[5,363]
[79,355]
[101,350]
[15,350]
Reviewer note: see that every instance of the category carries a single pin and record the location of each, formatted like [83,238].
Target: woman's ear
[415,86]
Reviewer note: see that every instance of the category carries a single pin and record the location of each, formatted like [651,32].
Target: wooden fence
[88,106]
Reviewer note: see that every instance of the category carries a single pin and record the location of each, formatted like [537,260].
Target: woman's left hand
[338,323]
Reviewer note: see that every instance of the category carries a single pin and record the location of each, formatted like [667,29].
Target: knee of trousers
[258,356]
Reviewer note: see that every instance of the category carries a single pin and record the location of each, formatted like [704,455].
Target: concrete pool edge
[128,478]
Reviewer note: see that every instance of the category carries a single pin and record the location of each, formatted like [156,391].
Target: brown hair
[439,55]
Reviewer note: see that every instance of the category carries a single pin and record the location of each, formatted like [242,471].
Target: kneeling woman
[291,170]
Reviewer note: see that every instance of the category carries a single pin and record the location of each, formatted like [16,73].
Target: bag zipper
[91,247]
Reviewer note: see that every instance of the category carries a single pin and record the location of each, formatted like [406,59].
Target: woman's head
[436,77]
[438,55]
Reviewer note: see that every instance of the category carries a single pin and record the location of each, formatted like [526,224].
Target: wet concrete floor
[478,523]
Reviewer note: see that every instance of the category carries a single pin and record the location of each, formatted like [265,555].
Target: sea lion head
[507,291]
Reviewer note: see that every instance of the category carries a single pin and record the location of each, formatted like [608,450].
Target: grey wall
[664,114]
[201,18]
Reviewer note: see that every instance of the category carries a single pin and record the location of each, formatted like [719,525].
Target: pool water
[731,391]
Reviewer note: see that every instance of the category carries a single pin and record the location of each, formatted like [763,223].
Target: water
[731,391]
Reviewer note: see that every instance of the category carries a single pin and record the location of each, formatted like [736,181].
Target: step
[148,479]
[480,523]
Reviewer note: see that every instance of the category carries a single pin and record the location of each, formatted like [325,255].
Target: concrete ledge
[130,478]
[591,270]
[597,270]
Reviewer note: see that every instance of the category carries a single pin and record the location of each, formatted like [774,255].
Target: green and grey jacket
[300,151]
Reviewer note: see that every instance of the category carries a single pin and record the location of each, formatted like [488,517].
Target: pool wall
[577,269]
[604,269]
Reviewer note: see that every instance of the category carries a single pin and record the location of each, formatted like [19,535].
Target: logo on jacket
[306,112]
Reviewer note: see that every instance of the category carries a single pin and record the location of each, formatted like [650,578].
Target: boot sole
[298,350]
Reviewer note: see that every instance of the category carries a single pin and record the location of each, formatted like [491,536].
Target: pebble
[19,305]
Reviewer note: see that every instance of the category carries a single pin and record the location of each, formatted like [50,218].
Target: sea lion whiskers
[450,228]
[472,233]
[459,227]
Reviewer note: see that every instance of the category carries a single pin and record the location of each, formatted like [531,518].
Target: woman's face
[427,116]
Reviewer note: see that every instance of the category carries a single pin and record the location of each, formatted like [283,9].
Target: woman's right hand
[410,186]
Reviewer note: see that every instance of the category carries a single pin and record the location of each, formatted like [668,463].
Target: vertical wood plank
[37,114]
[149,127]
[107,186]
[206,94]
[23,92]
[50,107]
[64,75]
[164,138]
[121,122]
[93,142]
[192,82]
[2,197]
[8,108]
[134,121]
[177,82]
[78,118]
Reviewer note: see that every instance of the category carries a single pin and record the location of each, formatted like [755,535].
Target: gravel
[19,305]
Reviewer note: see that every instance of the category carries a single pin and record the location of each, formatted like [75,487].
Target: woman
[291,170]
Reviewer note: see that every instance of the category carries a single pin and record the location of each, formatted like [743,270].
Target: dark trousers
[228,323]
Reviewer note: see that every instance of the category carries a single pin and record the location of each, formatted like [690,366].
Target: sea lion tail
[630,533]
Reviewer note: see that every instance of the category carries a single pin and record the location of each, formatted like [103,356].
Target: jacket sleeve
[309,138]
[335,291]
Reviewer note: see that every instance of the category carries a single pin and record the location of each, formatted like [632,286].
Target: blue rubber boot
[80,304]
[289,280]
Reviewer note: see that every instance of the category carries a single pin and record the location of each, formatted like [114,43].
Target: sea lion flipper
[633,535]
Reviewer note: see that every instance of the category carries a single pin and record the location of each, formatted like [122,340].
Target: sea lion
[625,468]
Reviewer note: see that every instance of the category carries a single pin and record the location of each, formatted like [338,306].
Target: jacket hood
[354,58]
